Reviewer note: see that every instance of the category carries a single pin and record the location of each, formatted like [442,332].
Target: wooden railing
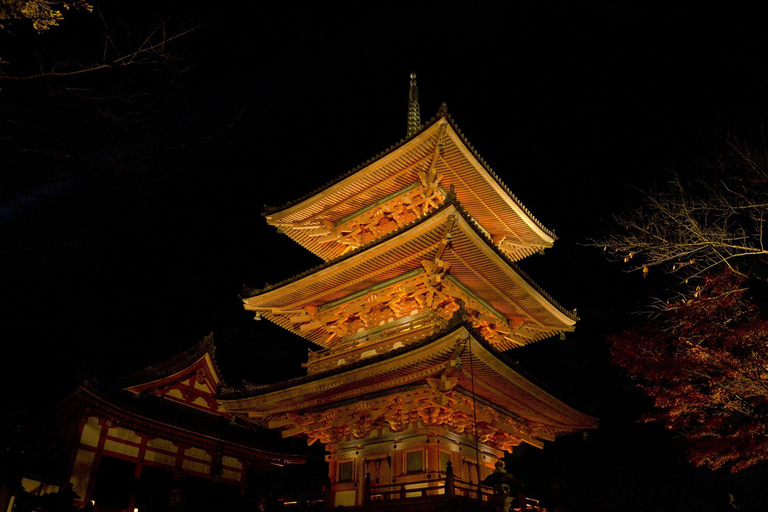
[449,487]
[378,340]
[405,490]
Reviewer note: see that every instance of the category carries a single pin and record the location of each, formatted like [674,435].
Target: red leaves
[704,361]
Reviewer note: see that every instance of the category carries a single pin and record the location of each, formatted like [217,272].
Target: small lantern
[506,488]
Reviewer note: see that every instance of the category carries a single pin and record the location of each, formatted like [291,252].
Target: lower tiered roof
[452,379]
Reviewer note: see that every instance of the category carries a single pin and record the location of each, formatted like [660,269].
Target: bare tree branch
[688,229]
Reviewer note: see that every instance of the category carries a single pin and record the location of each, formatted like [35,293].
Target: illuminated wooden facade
[418,296]
[164,420]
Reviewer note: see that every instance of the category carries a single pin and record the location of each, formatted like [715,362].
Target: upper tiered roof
[402,183]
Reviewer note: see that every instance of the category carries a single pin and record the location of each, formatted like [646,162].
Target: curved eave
[130,416]
[172,368]
[206,360]
[495,381]
[494,181]
[494,376]
[476,263]
[482,192]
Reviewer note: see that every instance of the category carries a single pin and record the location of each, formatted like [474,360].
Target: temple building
[417,300]
[151,441]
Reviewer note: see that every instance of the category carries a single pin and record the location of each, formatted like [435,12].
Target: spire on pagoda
[414,113]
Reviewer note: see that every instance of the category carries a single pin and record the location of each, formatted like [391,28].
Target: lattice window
[345,471]
[414,462]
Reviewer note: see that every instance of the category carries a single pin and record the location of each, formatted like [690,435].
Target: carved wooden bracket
[436,404]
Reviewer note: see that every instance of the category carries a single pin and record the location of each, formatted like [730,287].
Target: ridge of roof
[533,284]
[450,200]
[442,113]
[490,171]
[514,365]
[175,364]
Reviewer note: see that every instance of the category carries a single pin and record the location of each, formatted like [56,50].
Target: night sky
[130,222]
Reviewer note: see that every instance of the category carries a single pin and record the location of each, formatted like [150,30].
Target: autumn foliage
[704,361]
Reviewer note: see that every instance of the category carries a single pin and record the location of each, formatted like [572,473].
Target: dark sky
[136,243]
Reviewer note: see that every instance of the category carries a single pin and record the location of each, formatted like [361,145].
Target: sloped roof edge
[457,321]
[251,292]
[175,364]
[442,113]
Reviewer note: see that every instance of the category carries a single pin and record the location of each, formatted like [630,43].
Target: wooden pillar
[137,473]
[367,490]
[180,447]
[433,458]
[73,456]
[96,460]
[132,496]
[243,474]
[328,494]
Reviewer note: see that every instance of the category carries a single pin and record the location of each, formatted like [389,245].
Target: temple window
[37,488]
[414,462]
[345,471]
[445,458]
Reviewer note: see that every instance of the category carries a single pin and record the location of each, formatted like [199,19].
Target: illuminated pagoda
[418,297]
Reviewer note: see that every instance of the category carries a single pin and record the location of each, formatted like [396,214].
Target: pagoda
[418,297]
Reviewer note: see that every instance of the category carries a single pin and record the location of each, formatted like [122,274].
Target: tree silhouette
[703,360]
[702,354]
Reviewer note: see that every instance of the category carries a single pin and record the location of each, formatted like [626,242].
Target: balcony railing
[446,488]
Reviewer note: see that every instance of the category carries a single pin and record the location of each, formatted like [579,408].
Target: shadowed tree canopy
[99,118]
[703,361]
[84,97]
[703,353]
[41,14]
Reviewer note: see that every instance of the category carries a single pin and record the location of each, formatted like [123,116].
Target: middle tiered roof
[403,183]
[433,264]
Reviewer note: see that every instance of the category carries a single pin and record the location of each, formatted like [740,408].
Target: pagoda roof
[496,381]
[475,262]
[481,191]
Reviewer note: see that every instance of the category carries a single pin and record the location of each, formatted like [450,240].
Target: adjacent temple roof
[440,147]
[204,352]
[146,402]
[171,420]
